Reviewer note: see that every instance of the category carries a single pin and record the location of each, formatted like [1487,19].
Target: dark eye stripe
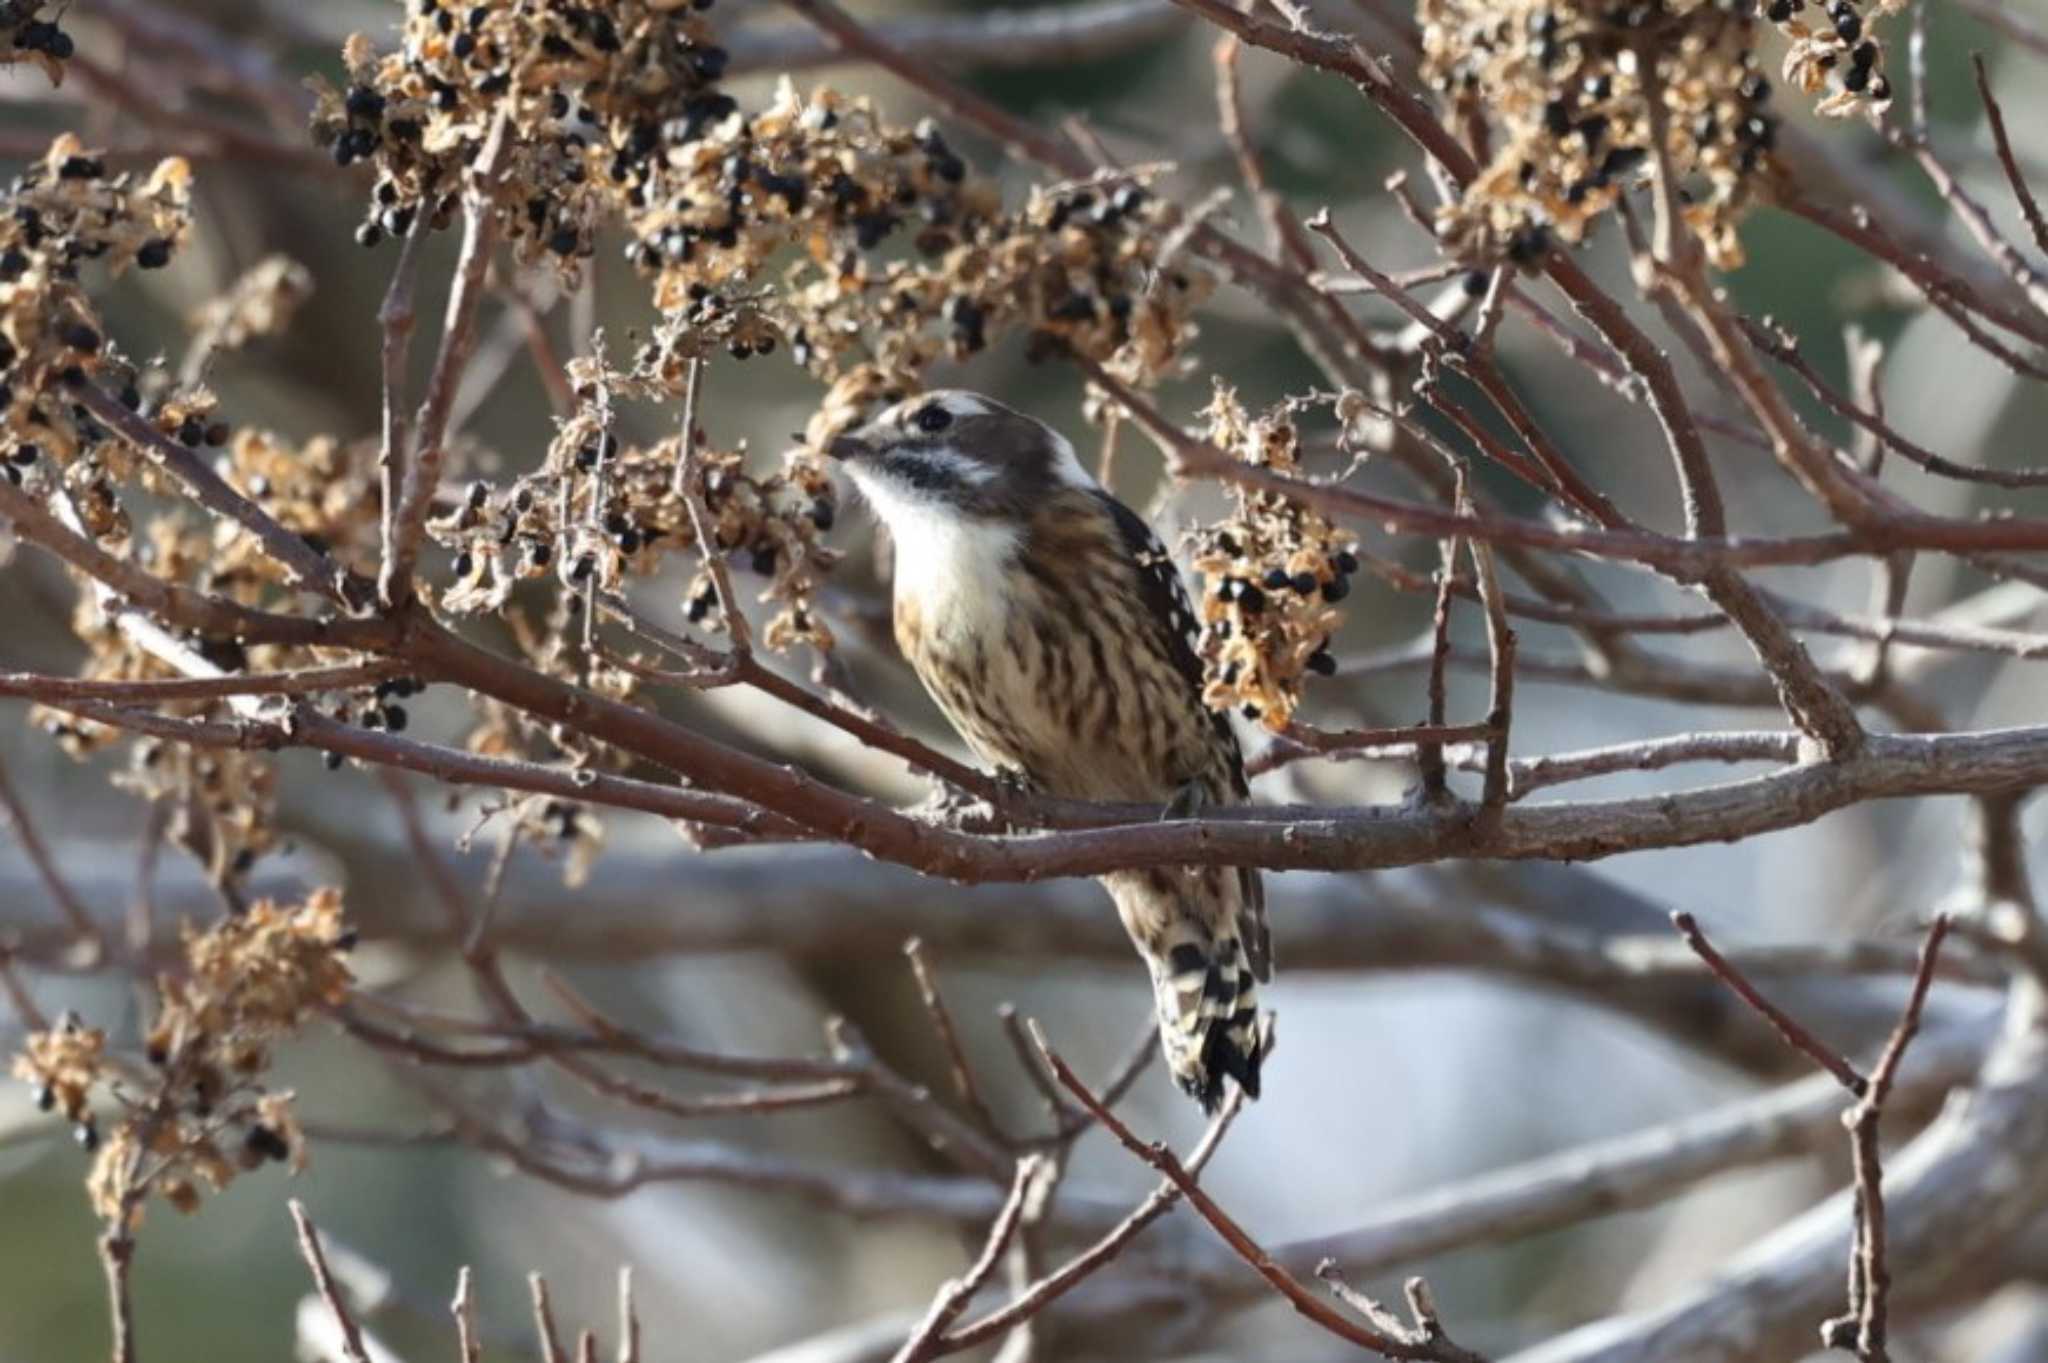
[923,473]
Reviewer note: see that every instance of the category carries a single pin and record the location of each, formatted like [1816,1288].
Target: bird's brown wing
[1166,600]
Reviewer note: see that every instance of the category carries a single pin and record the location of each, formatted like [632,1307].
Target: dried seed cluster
[587,95]
[64,1063]
[248,982]
[59,214]
[1273,574]
[26,35]
[613,116]
[260,304]
[1569,83]
[598,511]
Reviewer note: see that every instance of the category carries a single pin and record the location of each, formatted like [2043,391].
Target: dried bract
[1273,574]
[1569,86]
[248,982]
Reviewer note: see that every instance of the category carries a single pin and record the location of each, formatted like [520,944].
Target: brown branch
[316,1260]
[157,690]
[396,317]
[992,37]
[1042,1293]
[1501,706]
[171,602]
[941,1018]
[117,1253]
[1870,1282]
[544,1321]
[1786,1026]
[1781,346]
[927,1341]
[1350,60]
[1975,218]
[1995,116]
[689,485]
[1430,752]
[1296,1294]
[1551,472]
[407,516]
[61,894]
[315,571]
[1529,774]
[1954,296]
[1018,137]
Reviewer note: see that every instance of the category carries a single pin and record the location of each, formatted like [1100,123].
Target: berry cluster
[1569,84]
[598,511]
[1273,575]
[26,36]
[1085,269]
[586,101]
[1836,56]
[614,117]
[248,982]
[59,214]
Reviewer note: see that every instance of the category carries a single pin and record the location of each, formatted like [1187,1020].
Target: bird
[1052,628]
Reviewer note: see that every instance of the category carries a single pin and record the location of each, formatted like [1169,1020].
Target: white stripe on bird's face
[1066,465]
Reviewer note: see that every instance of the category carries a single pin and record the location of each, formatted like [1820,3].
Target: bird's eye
[933,419]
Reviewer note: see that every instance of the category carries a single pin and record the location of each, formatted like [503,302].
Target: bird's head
[955,454]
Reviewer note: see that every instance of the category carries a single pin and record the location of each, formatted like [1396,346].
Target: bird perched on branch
[1051,626]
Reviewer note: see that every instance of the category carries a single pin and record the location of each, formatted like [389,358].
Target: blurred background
[1396,1071]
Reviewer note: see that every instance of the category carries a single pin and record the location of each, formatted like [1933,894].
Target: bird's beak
[848,447]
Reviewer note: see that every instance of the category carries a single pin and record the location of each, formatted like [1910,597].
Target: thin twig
[629,1318]
[395,320]
[117,1253]
[1299,1296]
[1787,1026]
[926,1341]
[1040,1294]
[463,1308]
[316,1260]
[1500,638]
[544,1321]
[1995,116]
[689,485]
[1863,1328]
[408,517]
[941,1018]
[315,571]
[61,894]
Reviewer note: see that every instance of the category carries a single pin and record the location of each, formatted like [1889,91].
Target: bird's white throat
[946,562]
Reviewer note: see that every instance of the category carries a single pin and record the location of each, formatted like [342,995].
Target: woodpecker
[1050,625]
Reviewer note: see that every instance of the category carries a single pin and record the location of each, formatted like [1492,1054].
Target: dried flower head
[584,99]
[1570,85]
[59,214]
[249,981]
[1273,574]
[261,303]
[64,1063]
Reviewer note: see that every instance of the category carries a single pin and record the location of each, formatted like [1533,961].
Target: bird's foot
[950,805]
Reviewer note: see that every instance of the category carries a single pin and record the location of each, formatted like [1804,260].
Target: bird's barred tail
[1208,1010]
